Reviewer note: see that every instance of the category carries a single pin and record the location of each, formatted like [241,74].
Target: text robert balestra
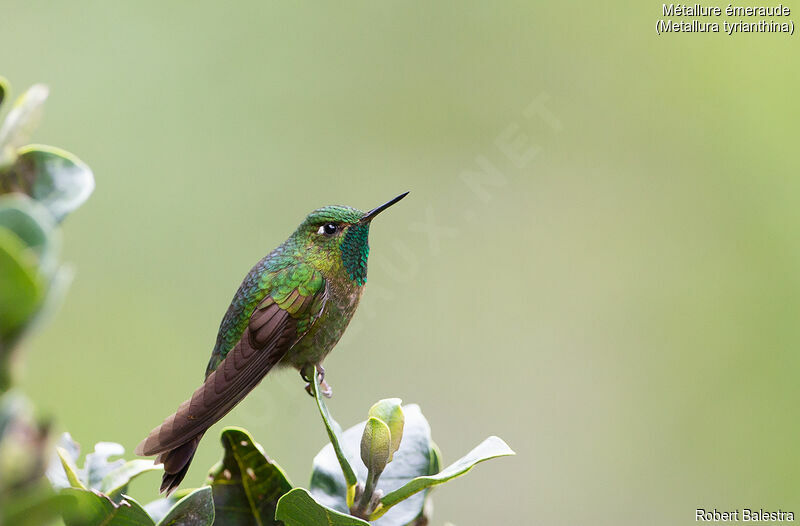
[743,515]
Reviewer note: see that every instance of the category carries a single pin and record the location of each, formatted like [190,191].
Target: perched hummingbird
[290,310]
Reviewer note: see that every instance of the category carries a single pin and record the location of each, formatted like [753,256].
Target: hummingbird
[290,311]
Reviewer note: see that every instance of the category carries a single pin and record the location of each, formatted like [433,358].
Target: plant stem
[361,509]
[333,430]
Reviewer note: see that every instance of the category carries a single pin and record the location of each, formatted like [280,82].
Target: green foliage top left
[39,186]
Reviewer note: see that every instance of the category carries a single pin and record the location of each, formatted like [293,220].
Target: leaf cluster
[379,471]
[39,186]
[97,492]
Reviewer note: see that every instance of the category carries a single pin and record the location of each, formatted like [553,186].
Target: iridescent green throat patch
[355,249]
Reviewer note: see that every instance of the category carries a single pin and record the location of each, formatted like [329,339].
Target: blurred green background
[621,307]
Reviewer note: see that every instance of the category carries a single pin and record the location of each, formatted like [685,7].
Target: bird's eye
[328,229]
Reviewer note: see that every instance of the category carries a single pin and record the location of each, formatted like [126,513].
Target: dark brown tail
[263,344]
[176,464]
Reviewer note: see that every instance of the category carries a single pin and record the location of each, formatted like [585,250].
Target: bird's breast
[325,332]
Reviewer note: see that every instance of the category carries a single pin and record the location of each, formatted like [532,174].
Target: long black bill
[369,216]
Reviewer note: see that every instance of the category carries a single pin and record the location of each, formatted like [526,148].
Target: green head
[336,237]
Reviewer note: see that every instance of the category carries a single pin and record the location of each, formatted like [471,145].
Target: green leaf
[37,506]
[25,273]
[435,458]
[23,118]
[115,483]
[490,448]
[87,508]
[390,412]
[415,457]
[195,509]
[298,508]
[69,450]
[159,508]
[376,444]
[246,484]
[28,219]
[109,477]
[97,464]
[334,433]
[54,177]
[70,469]
[35,226]
[21,288]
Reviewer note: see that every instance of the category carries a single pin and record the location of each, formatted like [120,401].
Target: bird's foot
[325,389]
[306,372]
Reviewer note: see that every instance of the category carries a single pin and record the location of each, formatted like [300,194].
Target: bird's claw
[305,373]
[325,389]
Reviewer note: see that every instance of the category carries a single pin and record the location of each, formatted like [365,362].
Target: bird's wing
[277,322]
